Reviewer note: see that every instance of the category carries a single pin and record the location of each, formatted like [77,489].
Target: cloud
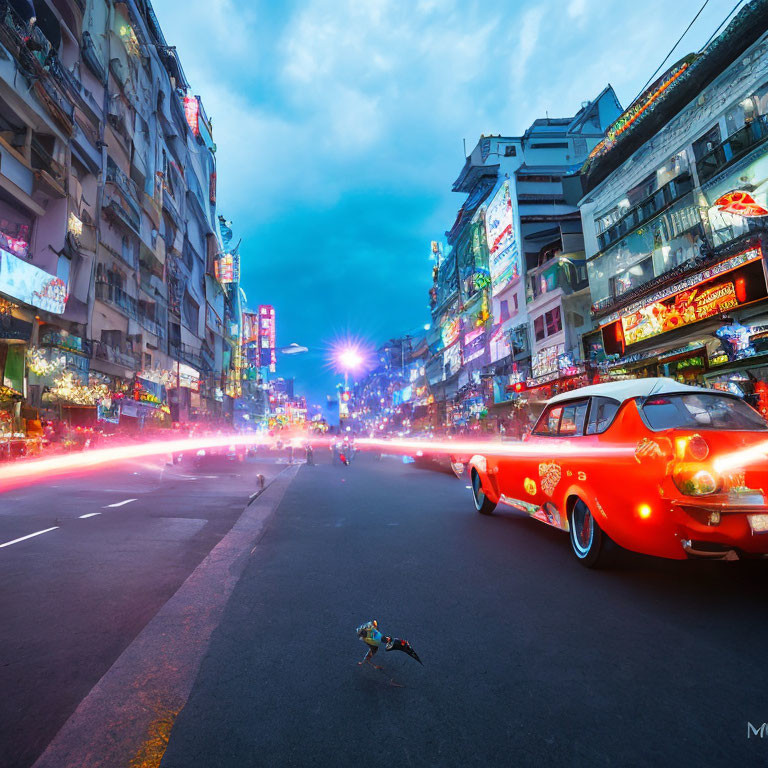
[577,9]
[528,40]
[339,127]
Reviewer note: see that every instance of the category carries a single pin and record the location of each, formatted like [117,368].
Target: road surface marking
[119,503]
[23,538]
[90,514]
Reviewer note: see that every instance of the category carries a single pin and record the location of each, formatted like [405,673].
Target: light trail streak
[29,471]
[487,448]
[742,458]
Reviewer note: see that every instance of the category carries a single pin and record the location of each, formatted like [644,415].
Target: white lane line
[90,514]
[24,538]
[119,503]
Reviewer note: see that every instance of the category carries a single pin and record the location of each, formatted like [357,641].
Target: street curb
[126,718]
[258,493]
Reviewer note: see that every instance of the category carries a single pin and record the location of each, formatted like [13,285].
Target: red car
[658,467]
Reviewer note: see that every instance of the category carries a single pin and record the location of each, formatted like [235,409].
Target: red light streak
[27,471]
[742,458]
[489,448]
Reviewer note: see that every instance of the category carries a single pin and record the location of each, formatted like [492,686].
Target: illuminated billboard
[20,280]
[267,337]
[474,344]
[224,267]
[192,113]
[251,339]
[450,331]
[736,198]
[733,283]
[502,237]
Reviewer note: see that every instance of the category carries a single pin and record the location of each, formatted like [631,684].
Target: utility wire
[671,50]
[722,24]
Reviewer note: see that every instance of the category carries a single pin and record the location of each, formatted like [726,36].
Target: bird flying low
[369,633]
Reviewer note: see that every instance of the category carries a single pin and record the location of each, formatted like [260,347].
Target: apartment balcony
[736,146]
[185,354]
[207,358]
[63,78]
[117,297]
[152,326]
[128,210]
[50,175]
[553,278]
[646,209]
[102,351]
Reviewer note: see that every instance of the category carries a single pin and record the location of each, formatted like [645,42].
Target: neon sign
[192,113]
[740,203]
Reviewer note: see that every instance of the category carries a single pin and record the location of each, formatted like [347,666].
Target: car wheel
[588,541]
[482,503]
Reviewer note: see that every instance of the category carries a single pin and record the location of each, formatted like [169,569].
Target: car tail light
[693,448]
[698,448]
[695,480]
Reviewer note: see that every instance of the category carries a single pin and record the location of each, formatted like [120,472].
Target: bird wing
[396,644]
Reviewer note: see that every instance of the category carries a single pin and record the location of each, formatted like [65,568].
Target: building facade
[674,208]
[510,294]
[113,307]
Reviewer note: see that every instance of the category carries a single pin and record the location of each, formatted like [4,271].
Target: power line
[671,50]
[722,24]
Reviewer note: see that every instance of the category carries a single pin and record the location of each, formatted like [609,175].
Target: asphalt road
[73,598]
[529,659]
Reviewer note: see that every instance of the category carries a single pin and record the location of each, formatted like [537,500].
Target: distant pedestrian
[310,456]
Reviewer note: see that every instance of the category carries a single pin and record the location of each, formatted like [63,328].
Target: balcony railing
[112,294]
[566,279]
[42,161]
[733,148]
[102,351]
[186,354]
[127,187]
[646,209]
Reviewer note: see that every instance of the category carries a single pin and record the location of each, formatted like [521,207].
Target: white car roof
[627,389]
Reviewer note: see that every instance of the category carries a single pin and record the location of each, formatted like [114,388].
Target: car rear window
[572,420]
[549,421]
[700,411]
[601,414]
[563,420]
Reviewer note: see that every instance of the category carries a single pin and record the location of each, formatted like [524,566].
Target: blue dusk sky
[340,128]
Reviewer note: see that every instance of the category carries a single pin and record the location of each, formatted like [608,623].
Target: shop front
[553,370]
[710,329]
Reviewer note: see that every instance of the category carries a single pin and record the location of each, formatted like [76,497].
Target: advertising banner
[474,344]
[267,337]
[450,331]
[33,286]
[250,327]
[737,197]
[224,267]
[502,238]
[690,304]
